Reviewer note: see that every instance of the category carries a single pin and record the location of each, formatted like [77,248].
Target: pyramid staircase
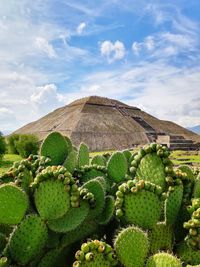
[176,142]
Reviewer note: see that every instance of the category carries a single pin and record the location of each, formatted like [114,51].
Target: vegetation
[64,208]
[2,146]
[23,144]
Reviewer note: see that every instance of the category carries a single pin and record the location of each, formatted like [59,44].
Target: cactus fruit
[173,203]
[161,237]
[193,225]
[83,155]
[140,203]
[132,246]
[13,204]
[70,220]
[51,199]
[94,254]
[55,147]
[117,167]
[28,239]
[163,260]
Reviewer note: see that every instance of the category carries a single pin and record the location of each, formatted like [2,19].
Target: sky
[145,53]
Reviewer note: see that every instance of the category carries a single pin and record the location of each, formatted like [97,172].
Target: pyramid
[105,124]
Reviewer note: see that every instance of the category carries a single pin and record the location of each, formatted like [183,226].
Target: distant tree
[2,146]
[27,144]
[12,139]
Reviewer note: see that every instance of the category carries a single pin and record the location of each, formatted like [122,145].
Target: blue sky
[144,53]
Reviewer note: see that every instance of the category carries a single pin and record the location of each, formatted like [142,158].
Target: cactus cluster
[65,208]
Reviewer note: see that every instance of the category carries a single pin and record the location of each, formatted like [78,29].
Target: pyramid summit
[105,124]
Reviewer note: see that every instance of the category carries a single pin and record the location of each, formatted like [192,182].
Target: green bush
[27,144]
[2,146]
[12,139]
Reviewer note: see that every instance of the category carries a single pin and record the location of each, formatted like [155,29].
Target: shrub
[2,146]
[12,139]
[27,144]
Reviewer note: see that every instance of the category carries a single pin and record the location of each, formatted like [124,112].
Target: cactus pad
[71,161]
[163,260]
[98,160]
[151,169]
[55,147]
[173,203]
[96,188]
[72,219]
[140,203]
[131,246]
[188,254]
[51,199]
[108,211]
[28,239]
[83,155]
[117,167]
[161,237]
[13,204]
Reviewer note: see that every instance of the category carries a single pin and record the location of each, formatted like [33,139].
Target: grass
[7,162]
[179,157]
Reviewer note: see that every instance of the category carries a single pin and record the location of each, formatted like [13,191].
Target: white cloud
[136,47]
[43,45]
[149,43]
[81,27]
[113,51]
[46,98]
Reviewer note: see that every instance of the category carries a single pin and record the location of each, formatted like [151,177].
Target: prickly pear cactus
[64,199]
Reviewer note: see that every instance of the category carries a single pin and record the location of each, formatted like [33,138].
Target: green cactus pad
[98,160]
[71,161]
[28,239]
[83,155]
[173,204]
[51,199]
[161,237]
[69,143]
[163,260]
[91,174]
[53,239]
[142,208]
[108,211]
[55,147]
[196,191]
[117,167]
[87,228]
[51,259]
[127,154]
[13,204]
[151,169]
[188,171]
[187,254]
[72,219]
[96,188]
[131,246]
